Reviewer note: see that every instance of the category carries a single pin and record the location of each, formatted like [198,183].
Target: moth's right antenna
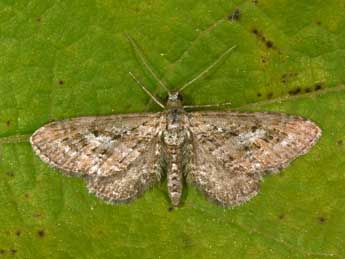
[146,91]
[142,58]
[207,69]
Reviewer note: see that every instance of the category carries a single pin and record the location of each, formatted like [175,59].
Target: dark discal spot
[95,133]
[307,90]
[270,95]
[41,233]
[235,16]
[340,142]
[13,251]
[322,220]
[295,91]
[318,86]
[233,133]
[281,216]
[254,128]
[61,82]
[10,174]
[18,233]
[258,94]
[8,123]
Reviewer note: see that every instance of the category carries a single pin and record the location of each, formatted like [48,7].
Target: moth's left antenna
[146,91]
[143,60]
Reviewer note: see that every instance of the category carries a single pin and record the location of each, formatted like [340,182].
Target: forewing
[233,150]
[104,149]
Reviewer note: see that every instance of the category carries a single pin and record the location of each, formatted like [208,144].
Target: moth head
[174,100]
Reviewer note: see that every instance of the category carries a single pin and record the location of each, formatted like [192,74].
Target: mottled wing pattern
[233,150]
[121,151]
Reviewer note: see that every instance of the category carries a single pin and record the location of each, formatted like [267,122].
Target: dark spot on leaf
[281,216]
[18,233]
[170,209]
[37,215]
[41,233]
[322,220]
[263,59]
[318,22]
[187,241]
[307,90]
[38,19]
[61,82]
[255,2]
[317,86]
[13,251]
[258,94]
[27,195]
[269,95]
[255,31]
[340,142]
[8,123]
[295,91]
[235,16]
[285,78]
[2,251]
[269,44]
[10,174]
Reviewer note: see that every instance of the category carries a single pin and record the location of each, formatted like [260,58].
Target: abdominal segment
[175,176]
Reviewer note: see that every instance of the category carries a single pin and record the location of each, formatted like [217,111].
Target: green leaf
[61,59]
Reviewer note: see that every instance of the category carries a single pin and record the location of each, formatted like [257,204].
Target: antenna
[207,69]
[206,105]
[143,60]
[146,91]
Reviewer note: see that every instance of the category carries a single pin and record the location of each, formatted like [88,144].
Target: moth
[224,154]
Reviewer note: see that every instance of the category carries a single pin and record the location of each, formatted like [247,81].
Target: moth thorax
[173,138]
